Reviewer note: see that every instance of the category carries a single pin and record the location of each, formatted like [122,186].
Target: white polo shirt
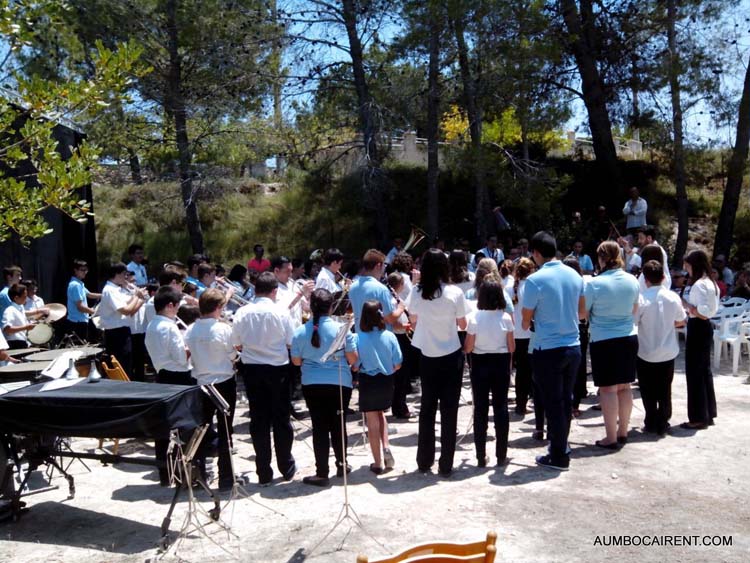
[287,293]
[165,345]
[265,330]
[327,280]
[14,315]
[211,350]
[436,333]
[658,310]
[114,297]
[491,329]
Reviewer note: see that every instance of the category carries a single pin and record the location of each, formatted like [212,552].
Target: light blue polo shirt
[379,352]
[76,292]
[315,372]
[365,288]
[552,293]
[610,298]
[5,301]
[583,261]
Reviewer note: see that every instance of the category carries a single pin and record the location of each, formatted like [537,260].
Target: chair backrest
[734,302]
[437,552]
[115,372]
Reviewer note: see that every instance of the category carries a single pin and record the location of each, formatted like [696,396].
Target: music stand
[183,472]
[347,511]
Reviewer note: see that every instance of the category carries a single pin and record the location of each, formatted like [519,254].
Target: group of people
[276,321]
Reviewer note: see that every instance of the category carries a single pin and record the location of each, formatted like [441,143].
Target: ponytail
[321,302]
[315,340]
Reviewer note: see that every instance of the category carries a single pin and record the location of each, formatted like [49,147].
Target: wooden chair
[118,374]
[444,552]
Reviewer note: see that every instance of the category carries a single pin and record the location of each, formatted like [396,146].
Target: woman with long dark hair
[611,299]
[702,304]
[489,340]
[436,310]
[325,384]
[459,270]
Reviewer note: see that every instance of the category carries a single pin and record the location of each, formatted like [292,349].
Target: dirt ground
[686,484]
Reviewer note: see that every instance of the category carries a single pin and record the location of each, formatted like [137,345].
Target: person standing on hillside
[635,211]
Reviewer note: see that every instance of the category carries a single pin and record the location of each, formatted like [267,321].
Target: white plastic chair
[734,302]
[735,333]
[721,336]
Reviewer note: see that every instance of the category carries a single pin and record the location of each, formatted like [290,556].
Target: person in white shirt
[138,325]
[169,355]
[118,304]
[264,331]
[333,259]
[659,313]
[436,309]
[702,305]
[402,381]
[522,355]
[646,236]
[635,210]
[492,251]
[291,295]
[212,352]
[33,301]
[136,265]
[14,322]
[489,340]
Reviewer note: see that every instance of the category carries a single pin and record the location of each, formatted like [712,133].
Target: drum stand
[184,472]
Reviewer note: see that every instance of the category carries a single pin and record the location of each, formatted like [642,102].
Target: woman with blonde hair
[611,300]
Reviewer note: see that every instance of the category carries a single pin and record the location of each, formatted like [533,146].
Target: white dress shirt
[327,280]
[519,333]
[32,303]
[265,330]
[141,277]
[635,212]
[285,295]
[705,296]
[114,297]
[165,345]
[211,350]
[406,287]
[497,254]
[138,322]
[149,311]
[436,333]
[15,316]
[658,310]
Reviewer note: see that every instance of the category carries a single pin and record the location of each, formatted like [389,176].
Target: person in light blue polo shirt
[79,311]
[611,302]
[551,299]
[11,275]
[367,287]
[584,261]
[380,357]
[324,383]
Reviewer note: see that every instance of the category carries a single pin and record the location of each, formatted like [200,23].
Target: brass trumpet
[226,287]
[416,236]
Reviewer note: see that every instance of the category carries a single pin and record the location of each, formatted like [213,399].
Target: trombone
[416,236]
[227,287]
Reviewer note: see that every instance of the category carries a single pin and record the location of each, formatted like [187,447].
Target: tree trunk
[175,106]
[678,157]
[433,126]
[135,167]
[735,174]
[373,174]
[581,33]
[482,214]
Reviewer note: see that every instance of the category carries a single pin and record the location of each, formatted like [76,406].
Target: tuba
[416,236]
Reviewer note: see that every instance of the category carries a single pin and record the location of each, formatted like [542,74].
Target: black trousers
[579,390]
[402,378]
[441,385]
[554,374]
[323,404]
[139,356]
[524,388]
[228,390]
[172,378]
[118,342]
[267,389]
[655,383]
[701,398]
[490,373]
[81,330]
[17,344]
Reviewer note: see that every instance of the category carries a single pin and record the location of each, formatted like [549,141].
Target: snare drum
[40,334]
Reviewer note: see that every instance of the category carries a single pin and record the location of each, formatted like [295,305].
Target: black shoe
[612,446]
[502,462]
[537,435]
[547,461]
[622,440]
[340,470]
[445,472]
[596,407]
[424,469]
[694,425]
[316,481]
[376,469]
[225,486]
[289,473]
[265,480]
[483,461]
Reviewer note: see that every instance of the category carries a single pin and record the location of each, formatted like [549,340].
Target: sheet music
[59,365]
[339,342]
[60,384]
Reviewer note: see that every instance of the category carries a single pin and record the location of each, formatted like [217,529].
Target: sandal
[612,446]
[376,469]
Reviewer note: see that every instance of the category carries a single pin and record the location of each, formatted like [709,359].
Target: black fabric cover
[106,409]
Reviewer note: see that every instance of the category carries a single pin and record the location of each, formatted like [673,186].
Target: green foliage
[35,175]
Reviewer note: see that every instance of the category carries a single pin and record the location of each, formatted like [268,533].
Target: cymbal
[20,352]
[56,312]
[47,355]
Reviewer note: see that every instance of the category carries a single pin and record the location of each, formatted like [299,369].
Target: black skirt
[613,361]
[375,392]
